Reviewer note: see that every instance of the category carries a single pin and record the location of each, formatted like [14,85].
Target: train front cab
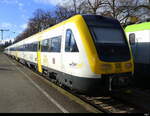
[107,52]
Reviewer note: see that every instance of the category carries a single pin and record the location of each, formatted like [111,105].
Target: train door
[16,54]
[39,57]
[63,55]
[70,56]
[132,40]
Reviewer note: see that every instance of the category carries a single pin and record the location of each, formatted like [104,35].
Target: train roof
[90,19]
[138,27]
[72,19]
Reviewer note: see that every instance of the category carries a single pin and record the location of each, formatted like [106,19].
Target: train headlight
[128,65]
[106,66]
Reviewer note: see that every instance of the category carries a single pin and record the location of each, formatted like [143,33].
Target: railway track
[136,97]
[107,104]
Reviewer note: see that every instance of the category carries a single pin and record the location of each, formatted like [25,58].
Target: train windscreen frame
[110,47]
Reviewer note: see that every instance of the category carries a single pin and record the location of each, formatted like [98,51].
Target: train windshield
[107,35]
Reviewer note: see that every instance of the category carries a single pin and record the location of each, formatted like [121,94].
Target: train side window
[26,47]
[49,49]
[30,47]
[35,46]
[20,48]
[132,38]
[70,43]
[16,49]
[45,45]
[55,44]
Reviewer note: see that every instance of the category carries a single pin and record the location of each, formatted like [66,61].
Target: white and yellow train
[85,52]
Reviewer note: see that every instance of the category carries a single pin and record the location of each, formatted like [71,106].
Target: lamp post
[2,31]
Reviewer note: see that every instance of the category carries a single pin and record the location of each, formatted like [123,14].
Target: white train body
[76,62]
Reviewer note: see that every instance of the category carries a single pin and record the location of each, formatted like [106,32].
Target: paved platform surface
[22,91]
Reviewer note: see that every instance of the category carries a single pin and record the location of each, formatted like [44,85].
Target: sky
[14,14]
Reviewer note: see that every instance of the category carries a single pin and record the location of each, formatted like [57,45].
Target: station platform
[24,91]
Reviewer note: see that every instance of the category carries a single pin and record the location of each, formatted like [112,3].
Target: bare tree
[65,11]
[95,5]
[41,20]
[122,10]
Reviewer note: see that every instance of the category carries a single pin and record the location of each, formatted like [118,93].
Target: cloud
[8,1]
[52,2]
[24,26]
[6,25]
[19,4]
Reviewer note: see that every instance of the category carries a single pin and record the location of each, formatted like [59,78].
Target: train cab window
[132,38]
[45,45]
[55,44]
[70,43]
